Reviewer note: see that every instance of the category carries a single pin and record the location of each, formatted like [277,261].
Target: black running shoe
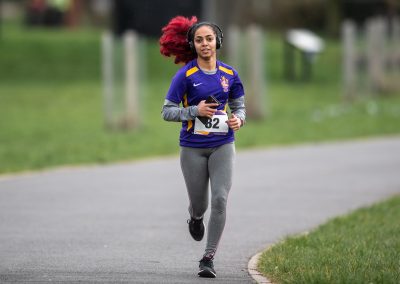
[196,228]
[206,268]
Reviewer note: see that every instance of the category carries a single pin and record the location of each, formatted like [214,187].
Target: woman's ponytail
[173,41]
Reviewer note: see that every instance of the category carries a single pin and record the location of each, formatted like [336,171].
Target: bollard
[131,79]
[108,78]
[349,60]
[255,73]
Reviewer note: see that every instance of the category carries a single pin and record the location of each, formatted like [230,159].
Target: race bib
[217,125]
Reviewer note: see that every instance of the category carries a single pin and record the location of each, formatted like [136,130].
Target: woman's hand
[234,122]
[205,109]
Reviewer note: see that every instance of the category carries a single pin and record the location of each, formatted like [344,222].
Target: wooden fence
[371,57]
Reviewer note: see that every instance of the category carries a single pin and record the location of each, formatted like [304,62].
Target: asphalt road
[127,222]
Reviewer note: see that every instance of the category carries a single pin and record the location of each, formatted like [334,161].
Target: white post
[209,10]
[255,77]
[349,59]
[131,79]
[108,78]
[233,47]
[375,53]
[396,44]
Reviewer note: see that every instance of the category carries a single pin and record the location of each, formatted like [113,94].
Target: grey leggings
[201,166]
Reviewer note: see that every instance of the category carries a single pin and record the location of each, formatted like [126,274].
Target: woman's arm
[172,112]
[238,108]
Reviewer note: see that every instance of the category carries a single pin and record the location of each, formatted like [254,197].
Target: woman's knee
[218,203]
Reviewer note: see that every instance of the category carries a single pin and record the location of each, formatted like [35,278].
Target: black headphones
[193,29]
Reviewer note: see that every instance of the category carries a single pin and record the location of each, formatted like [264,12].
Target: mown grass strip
[362,247]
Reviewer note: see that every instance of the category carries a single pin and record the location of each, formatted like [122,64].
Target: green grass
[37,55]
[51,109]
[362,247]
[43,129]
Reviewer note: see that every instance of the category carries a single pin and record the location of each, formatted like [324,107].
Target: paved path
[127,222]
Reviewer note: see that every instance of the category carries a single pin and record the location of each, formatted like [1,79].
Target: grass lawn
[51,109]
[362,247]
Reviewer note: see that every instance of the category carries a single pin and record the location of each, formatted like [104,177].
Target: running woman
[205,87]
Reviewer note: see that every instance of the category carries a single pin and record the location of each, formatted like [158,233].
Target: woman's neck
[207,65]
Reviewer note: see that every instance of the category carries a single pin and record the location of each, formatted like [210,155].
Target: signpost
[309,46]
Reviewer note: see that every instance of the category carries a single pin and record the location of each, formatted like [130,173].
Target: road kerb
[252,270]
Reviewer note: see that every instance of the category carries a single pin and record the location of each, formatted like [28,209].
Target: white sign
[305,40]
[217,125]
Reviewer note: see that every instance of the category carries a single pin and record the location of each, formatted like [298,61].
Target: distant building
[148,16]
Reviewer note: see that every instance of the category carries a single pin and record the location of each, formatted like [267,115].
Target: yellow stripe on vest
[186,104]
[191,71]
[226,70]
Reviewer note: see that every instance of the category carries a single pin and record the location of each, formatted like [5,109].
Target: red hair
[173,41]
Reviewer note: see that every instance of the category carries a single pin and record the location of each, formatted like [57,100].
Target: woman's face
[205,42]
